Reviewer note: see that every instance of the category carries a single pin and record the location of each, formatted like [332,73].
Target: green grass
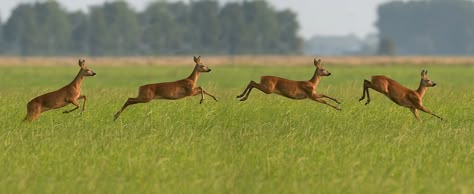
[268,144]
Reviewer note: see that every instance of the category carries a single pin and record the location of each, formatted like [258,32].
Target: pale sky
[316,17]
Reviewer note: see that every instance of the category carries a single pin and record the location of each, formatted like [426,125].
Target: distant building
[341,45]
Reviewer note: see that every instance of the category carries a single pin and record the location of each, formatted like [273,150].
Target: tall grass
[267,144]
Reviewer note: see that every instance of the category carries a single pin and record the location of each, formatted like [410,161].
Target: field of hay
[239,61]
[267,144]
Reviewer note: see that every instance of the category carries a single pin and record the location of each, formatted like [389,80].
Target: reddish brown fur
[68,94]
[412,99]
[292,89]
[170,90]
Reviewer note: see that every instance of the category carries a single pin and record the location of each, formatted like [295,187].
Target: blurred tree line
[436,27]
[163,28]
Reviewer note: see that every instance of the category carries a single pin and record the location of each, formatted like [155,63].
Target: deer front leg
[317,98]
[415,112]
[333,99]
[200,90]
[215,98]
[427,111]
[83,103]
[196,91]
[75,104]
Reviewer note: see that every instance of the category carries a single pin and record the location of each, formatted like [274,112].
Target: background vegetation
[45,28]
[163,28]
[427,27]
[268,144]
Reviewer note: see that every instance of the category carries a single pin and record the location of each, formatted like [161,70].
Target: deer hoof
[65,112]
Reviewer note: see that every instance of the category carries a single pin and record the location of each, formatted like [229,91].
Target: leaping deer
[412,99]
[297,90]
[68,94]
[171,90]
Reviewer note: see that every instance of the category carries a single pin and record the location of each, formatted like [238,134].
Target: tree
[53,25]
[289,42]
[19,30]
[386,47]
[80,32]
[38,29]
[204,26]
[115,29]
[232,27]
[428,27]
[2,45]
[164,28]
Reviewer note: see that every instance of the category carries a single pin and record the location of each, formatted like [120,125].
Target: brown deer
[297,90]
[399,94]
[171,90]
[68,94]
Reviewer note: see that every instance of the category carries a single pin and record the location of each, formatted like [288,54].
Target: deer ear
[197,60]
[81,63]
[317,63]
[423,73]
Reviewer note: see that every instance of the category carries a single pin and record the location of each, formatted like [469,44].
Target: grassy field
[267,144]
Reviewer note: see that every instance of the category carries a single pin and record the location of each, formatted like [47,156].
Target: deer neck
[421,90]
[315,79]
[194,75]
[76,83]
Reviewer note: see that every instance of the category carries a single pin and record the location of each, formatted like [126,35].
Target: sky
[316,17]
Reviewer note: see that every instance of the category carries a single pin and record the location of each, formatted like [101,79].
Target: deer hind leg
[260,87]
[365,90]
[33,112]
[245,91]
[419,106]
[317,98]
[131,101]
[415,112]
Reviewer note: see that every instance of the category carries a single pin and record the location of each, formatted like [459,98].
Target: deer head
[425,81]
[84,70]
[319,69]
[200,67]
